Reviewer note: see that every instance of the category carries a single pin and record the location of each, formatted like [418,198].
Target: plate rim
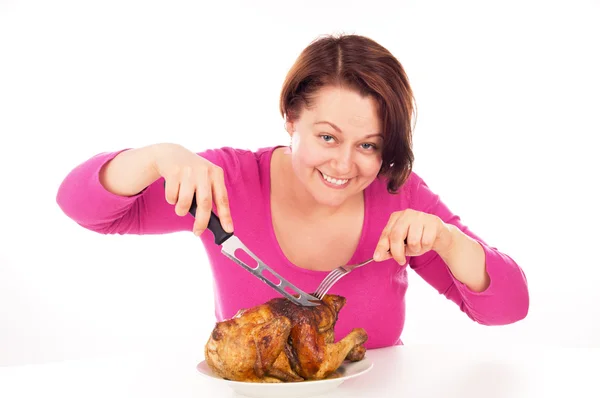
[339,380]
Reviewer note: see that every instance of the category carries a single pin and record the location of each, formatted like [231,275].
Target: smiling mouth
[336,181]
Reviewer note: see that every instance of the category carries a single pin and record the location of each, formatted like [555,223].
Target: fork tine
[328,286]
[318,292]
[332,275]
[328,282]
[335,276]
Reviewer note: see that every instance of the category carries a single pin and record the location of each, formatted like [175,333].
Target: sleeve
[84,199]
[505,301]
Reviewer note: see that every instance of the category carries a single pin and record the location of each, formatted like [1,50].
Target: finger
[413,239]
[397,236]
[428,239]
[382,249]
[171,190]
[383,245]
[382,252]
[186,193]
[386,256]
[221,199]
[204,205]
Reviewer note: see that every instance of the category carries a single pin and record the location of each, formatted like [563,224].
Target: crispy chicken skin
[279,341]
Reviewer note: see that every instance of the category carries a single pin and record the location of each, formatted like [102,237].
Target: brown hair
[359,63]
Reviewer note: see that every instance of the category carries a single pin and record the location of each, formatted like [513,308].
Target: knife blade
[230,244]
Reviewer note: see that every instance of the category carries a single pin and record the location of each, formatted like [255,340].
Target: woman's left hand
[422,232]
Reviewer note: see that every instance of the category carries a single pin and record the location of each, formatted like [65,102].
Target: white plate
[299,389]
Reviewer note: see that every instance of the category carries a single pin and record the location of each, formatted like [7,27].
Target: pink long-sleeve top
[375,294]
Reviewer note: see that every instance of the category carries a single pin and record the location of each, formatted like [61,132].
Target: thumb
[382,250]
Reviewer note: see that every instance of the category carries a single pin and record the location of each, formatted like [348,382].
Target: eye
[327,137]
[368,147]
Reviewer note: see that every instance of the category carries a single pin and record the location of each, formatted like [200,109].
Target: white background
[508,104]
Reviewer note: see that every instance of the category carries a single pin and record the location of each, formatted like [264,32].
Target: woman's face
[336,145]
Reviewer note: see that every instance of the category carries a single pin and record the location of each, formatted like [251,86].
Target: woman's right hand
[186,174]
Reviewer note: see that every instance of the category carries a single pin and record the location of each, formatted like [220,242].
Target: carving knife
[230,244]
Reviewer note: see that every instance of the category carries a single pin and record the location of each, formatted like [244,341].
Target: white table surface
[407,371]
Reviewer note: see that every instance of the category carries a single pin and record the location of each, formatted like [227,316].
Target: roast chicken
[280,341]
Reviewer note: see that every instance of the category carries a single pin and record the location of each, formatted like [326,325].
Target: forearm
[118,192]
[487,284]
[130,171]
[466,260]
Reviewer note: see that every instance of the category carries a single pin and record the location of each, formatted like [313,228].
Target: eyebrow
[339,130]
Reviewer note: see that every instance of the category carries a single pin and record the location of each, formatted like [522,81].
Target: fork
[334,276]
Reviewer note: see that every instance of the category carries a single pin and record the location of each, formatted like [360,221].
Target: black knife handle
[214,223]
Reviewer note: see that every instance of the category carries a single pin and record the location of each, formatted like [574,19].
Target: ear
[289,126]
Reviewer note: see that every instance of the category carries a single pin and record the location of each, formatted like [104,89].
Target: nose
[342,162]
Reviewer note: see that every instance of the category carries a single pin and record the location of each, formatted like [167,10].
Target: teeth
[334,180]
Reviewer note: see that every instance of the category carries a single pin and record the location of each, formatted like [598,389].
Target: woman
[342,192]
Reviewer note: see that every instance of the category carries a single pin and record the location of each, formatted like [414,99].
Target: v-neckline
[266,169]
